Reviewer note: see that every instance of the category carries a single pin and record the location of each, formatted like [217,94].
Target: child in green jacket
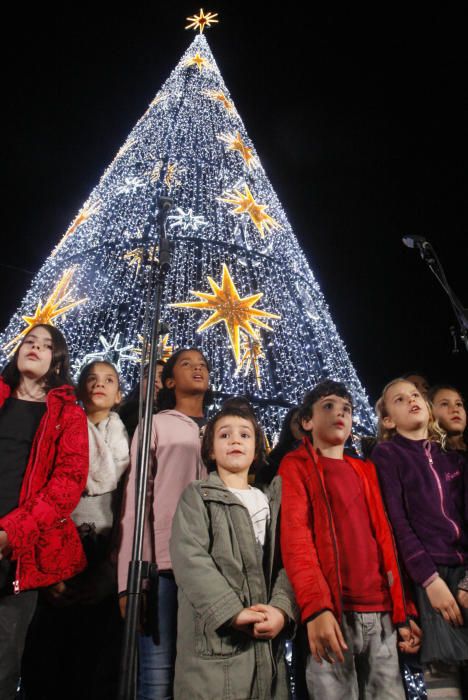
[235,601]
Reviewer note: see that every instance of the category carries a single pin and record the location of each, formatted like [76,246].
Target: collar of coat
[214,489]
[62,394]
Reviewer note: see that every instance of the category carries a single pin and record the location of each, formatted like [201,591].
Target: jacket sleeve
[417,561]
[298,549]
[194,569]
[60,495]
[127,524]
[282,596]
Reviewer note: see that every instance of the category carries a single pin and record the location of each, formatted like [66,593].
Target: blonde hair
[434,431]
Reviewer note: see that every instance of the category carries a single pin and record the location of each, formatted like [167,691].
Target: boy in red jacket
[339,554]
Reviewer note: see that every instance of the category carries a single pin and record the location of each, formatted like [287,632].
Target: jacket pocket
[224,642]
[58,549]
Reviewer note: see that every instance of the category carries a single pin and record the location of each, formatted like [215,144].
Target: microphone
[414,241]
[421,244]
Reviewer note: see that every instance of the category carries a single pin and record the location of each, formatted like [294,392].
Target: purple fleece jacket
[424,490]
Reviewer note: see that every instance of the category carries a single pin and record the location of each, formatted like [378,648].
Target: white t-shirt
[259,509]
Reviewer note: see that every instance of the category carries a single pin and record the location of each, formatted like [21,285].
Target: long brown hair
[58,373]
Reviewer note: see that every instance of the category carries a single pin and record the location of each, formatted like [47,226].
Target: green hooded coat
[219,569]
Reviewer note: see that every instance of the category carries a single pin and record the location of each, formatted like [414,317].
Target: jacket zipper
[427,451]
[330,522]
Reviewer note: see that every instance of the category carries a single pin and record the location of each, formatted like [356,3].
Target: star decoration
[160,97]
[186,220]
[235,143]
[156,172]
[228,307]
[201,21]
[136,257]
[199,61]
[125,148]
[171,179]
[246,204]
[220,97]
[57,304]
[164,349]
[112,352]
[88,210]
[132,184]
[252,350]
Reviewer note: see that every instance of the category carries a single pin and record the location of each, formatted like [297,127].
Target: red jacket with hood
[308,539]
[44,540]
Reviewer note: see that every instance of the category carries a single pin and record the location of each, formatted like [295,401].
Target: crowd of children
[363,562]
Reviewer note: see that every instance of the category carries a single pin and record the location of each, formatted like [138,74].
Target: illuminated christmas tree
[239,286]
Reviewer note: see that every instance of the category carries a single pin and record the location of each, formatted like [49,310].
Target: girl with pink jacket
[176,462]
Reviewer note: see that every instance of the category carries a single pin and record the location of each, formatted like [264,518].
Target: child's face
[449,410]
[190,373]
[233,444]
[102,388]
[331,421]
[35,354]
[407,411]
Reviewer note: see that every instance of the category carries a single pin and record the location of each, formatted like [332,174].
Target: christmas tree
[239,286]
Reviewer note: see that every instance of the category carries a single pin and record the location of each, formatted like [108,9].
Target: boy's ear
[388,423]
[169,383]
[307,424]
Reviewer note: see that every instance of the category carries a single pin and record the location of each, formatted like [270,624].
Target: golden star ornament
[228,307]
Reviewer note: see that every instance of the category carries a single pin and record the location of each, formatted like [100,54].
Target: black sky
[359,118]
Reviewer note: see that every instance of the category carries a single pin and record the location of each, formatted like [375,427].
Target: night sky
[359,119]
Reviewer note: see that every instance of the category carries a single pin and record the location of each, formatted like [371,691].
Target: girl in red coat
[43,471]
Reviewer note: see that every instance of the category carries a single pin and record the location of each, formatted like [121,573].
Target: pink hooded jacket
[176,462]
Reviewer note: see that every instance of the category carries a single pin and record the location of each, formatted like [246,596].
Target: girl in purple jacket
[424,490]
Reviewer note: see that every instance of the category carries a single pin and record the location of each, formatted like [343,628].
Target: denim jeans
[370,670]
[156,661]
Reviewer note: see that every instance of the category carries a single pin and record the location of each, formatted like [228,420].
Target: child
[235,601]
[176,461]
[44,465]
[424,492]
[84,609]
[339,554]
[449,410]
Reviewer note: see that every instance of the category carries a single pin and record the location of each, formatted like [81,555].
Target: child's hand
[443,601]
[411,638]
[274,622]
[325,636]
[462,597]
[245,619]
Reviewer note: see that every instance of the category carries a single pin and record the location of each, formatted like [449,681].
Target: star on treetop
[201,21]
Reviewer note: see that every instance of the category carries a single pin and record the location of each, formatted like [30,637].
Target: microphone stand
[137,568]
[429,255]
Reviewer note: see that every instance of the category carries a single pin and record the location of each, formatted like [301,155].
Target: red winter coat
[44,540]
[308,539]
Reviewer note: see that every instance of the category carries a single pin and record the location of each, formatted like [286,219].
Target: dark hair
[166,396]
[86,371]
[439,387]
[322,389]
[134,395]
[242,410]
[58,373]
